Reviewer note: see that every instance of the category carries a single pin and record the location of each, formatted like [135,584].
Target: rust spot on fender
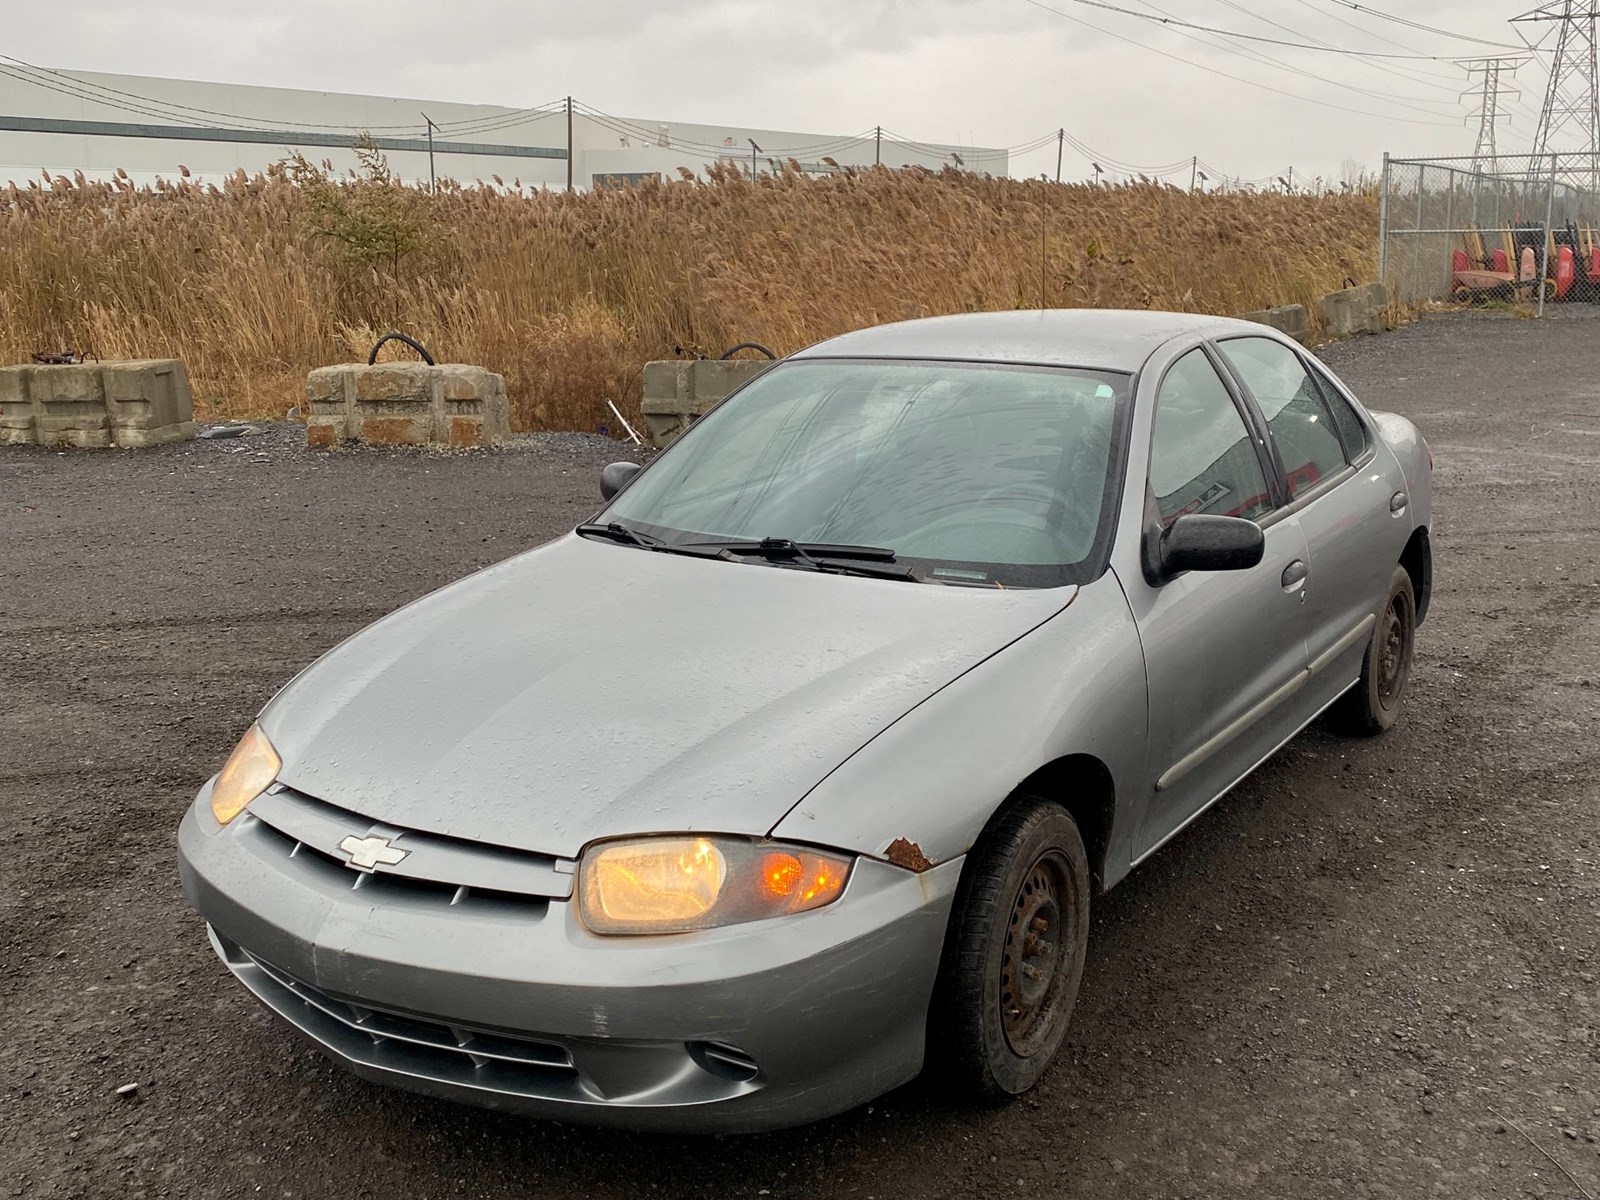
[907,854]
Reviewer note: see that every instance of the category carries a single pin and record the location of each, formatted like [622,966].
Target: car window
[1307,438]
[1202,458]
[981,474]
[1351,432]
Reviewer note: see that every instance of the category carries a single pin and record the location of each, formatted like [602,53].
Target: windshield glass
[973,473]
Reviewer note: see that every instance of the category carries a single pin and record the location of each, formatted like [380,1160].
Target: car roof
[1094,338]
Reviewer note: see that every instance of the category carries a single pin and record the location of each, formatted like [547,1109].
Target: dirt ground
[1373,970]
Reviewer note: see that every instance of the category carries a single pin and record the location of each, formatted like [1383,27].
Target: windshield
[973,473]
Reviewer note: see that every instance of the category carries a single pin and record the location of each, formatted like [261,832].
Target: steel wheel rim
[1034,967]
[1393,657]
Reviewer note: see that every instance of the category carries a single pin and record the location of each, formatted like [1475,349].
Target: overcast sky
[993,72]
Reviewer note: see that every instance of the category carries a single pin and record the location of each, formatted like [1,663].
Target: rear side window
[1351,432]
[1202,459]
[1307,437]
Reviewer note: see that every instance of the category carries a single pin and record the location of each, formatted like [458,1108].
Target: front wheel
[1014,954]
[1373,704]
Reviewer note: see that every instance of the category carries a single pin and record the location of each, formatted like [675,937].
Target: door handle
[1294,575]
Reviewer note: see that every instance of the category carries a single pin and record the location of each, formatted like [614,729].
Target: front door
[1225,652]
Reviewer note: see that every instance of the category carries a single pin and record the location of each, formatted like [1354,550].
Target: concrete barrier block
[715,378]
[668,381]
[1355,310]
[324,433]
[1286,318]
[677,393]
[406,404]
[144,402]
[16,409]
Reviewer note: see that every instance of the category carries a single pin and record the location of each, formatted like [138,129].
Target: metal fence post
[1449,204]
[1544,246]
[1383,224]
[1416,230]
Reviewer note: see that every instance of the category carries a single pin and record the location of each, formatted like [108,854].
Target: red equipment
[1566,272]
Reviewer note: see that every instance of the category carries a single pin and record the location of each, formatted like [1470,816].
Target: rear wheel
[1013,957]
[1373,704]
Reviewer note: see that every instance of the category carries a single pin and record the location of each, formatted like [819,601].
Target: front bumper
[518,1006]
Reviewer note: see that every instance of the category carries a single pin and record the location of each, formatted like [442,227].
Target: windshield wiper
[779,547]
[618,532]
[871,561]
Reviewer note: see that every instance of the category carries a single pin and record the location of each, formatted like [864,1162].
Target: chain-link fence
[1506,226]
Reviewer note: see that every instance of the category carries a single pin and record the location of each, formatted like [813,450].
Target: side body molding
[1075,685]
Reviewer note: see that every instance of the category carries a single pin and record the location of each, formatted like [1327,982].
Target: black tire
[1373,705]
[1005,990]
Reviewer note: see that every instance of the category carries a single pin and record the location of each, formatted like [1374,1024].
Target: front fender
[1074,685]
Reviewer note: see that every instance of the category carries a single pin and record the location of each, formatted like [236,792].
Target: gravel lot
[1373,970]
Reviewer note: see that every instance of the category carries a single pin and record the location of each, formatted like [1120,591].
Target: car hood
[588,689]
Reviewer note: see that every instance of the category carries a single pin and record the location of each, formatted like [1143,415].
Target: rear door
[1344,497]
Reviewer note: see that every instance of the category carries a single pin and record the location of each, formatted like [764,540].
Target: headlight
[676,884]
[250,769]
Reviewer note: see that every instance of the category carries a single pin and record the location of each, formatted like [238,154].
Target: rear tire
[1014,953]
[1373,705]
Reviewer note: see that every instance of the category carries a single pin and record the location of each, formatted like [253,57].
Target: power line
[1414,74]
[149,106]
[1269,61]
[1373,12]
[1228,75]
[134,103]
[1252,37]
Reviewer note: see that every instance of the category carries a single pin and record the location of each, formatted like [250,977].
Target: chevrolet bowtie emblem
[369,852]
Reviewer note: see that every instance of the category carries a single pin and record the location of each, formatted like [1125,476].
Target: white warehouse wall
[36,103]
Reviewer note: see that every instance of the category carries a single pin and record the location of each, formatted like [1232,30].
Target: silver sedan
[797,769]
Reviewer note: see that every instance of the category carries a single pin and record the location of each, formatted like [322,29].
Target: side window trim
[1324,486]
[1266,455]
[1324,383]
[1260,433]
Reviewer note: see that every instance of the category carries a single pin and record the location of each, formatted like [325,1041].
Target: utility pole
[877,152]
[569,143]
[1061,137]
[1488,111]
[1097,173]
[754,150]
[1194,167]
[433,185]
[1572,98]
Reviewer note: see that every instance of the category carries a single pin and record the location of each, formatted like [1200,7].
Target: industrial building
[69,121]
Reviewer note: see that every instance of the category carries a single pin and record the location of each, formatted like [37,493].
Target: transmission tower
[1570,117]
[1488,111]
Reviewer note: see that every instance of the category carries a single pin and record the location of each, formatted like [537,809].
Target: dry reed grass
[568,295]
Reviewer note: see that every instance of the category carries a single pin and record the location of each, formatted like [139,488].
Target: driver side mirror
[617,476]
[1198,542]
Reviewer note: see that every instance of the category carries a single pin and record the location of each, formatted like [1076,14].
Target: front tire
[1014,953]
[1373,705]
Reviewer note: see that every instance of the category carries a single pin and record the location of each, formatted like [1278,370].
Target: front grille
[304,834]
[499,1067]
[413,1045]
